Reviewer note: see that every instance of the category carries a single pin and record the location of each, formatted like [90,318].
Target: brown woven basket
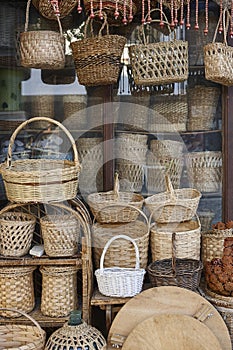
[44,49]
[185,273]
[37,180]
[59,290]
[61,235]
[75,108]
[173,205]
[22,336]
[17,289]
[42,106]
[121,252]
[131,175]
[16,233]
[97,58]
[46,8]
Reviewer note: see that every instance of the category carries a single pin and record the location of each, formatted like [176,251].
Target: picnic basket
[22,336]
[120,281]
[102,205]
[40,180]
[185,273]
[173,205]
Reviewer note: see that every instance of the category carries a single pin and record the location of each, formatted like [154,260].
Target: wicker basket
[59,290]
[173,205]
[131,175]
[22,336]
[188,240]
[204,170]
[185,273]
[119,281]
[17,289]
[47,10]
[16,233]
[97,59]
[166,148]
[131,147]
[121,253]
[203,102]
[103,205]
[61,235]
[38,180]
[212,243]
[75,108]
[206,217]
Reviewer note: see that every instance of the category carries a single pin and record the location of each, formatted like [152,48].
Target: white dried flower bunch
[71,35]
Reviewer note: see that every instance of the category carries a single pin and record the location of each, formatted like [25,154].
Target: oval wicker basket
[46,8]
[40,180]
[121,253]
[16,233]
[173,205]
[119,281]
[22,336]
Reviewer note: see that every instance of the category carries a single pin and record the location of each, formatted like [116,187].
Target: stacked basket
[175,238]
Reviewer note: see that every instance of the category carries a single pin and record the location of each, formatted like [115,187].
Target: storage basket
[188,240]
[43,49]
[16,233]
[47,10]
[75,108]
[17,289]
[204,170]
[131,175]
[119,281]
[131,147]
[173,205]
[97,58]
[121,253]
[185,273]
[102,205]
[61,235]
[159,63]
[40,180]
[42,106]
[22,336]
[218,56]
[212,243]
[202,104]
[59,290]
[166,148]
[206,217]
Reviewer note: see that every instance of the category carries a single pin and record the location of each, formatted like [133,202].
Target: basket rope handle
[137,264]
[27,19]
[169,187]
[42,332]
[174,253]
[90,21]
[225,25]
[52,121]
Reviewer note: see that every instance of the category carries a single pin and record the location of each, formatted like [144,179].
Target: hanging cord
[188,25]
[207,17]
[161,14]
[196,27]
[220,28]
[182,13]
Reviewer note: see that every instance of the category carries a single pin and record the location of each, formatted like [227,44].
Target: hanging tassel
[220,28]
[79,8]
[130,11]
[231,25]
[143,12]
[124,13]
[172,24]
[116,13]
[176,13]
[55,6]
[161,14]
[188,25]
[100,11]
[149,19]
[182,13]
[196,27]
[207,17]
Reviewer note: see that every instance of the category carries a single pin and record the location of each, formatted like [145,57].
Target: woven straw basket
[120,281]
[22,336]
[16,233]
[46,8]
[17,289]
[102,205]
[188,240]
[97,59]
[44,49]
[61,235]
[121,253]
[37,180]
[173,205]
[59,290]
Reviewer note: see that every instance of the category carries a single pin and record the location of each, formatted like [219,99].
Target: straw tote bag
[42,49]
[218,57]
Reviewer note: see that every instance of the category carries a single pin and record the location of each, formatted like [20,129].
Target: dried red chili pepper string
[188,25]
[196,27]
[124,13]
[161,14]
[220,28]
[206,18]
[182,13]
[55,6]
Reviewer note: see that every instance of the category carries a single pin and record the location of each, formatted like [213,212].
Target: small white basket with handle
[118,281]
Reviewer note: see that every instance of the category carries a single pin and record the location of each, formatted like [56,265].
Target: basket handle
[225,25]
[104,24]
[116,186]
[27,19]
[174,253]
[169,187]
[42,332]
[52,121]
[137,264]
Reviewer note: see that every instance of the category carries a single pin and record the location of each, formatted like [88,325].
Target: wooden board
[166,300]
[176,332]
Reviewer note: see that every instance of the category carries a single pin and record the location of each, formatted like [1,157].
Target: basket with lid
[120,281]
[102,205]
[40,180]
[173,205]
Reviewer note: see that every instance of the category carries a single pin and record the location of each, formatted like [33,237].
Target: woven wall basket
[43,49]
[97,58]
[46,8]
[37,180]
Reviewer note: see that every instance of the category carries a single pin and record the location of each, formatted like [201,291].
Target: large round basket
[40,180]
[22,336]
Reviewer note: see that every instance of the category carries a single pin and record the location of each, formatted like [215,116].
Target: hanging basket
[22,336]
[117,281]
[40,180]
[42,49]
[46,8]
[97,58]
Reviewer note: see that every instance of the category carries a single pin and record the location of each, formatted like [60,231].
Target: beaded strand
[143,12]
[161,23]
[206,18]
[124,21]
[172,24]
[220,28]
[196,27]
[182,13]
[188,25]
[149,19]
[116,13]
